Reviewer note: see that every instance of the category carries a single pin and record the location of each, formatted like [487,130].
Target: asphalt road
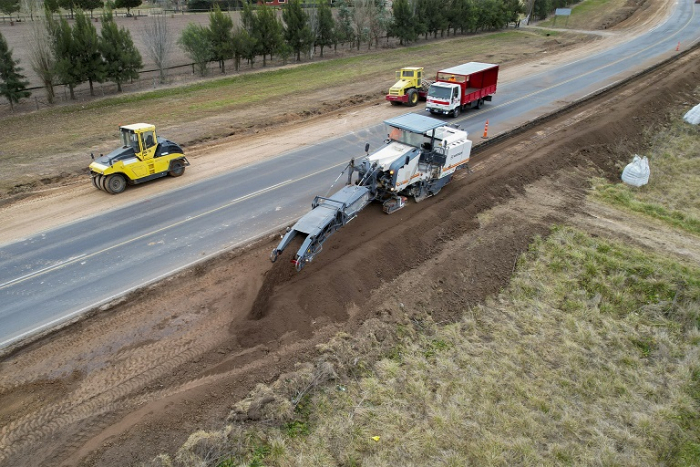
[59,274]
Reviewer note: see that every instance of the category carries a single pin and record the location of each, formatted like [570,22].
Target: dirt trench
[136,379]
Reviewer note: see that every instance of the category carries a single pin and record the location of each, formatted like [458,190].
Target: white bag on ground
[637,172]
[693,115]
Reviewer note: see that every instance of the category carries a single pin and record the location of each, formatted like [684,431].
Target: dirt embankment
[135,380]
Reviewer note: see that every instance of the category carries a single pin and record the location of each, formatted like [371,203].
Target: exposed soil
[136,378]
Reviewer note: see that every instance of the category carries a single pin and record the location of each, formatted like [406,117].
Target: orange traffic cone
[486,130]
[678,47]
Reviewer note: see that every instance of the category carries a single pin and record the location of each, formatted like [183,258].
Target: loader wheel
[177,168]
[412,97]
[115,184]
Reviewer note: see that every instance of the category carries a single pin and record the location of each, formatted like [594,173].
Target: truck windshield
[440,92]
[403,136]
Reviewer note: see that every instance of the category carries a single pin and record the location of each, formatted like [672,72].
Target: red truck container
[462,87]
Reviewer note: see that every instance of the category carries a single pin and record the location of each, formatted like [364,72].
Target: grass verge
[671,194]
[589,357]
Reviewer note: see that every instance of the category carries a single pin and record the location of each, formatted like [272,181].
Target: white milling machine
[418,159]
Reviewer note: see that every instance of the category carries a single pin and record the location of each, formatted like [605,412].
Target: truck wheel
[177,168]
[115,184]
[455,112]
[479,103]
[412,97]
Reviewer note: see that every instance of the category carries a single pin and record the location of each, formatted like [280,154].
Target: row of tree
[31,6]
[260,34]
[76,54]
[300,30]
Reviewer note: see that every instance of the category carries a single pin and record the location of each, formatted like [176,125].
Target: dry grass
[589,358]
[671,195]
[591,14]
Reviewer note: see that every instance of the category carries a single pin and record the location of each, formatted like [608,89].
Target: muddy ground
[135,379]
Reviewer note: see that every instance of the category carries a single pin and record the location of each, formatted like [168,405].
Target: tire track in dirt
[129,371]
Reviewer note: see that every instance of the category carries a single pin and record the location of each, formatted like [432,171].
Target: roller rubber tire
[93,178]
[115,184]
[101,183]
[177,168]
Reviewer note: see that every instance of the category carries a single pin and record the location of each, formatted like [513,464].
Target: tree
[9,6]
[30,6]
[378,20]
[122,61]
[13,84]
[250,23]
[68,67]
[244,46]
[158,42]
[297,32]
[89,5]
[87,49]
[404,25]
[128,4]
[541,8]
[268,32]
[345,31]
[41,57]
[220,27]
[67,5]
[51,5]
[513,9]
[360,22]
[463,14]
[194,40]
[325,34]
